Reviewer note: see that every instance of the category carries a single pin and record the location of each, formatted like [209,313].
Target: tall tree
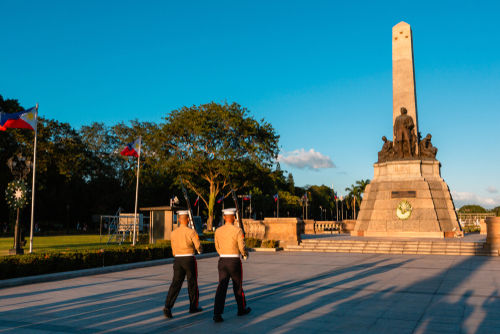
[291,184]
[213,146]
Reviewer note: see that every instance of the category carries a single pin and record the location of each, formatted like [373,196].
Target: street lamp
[16,194]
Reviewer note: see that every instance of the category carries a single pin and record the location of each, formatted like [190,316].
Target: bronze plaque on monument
[404,194]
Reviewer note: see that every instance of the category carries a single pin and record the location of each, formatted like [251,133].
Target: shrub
[471,229]
[53,262]
[252,242]
[207,235]
[269,244]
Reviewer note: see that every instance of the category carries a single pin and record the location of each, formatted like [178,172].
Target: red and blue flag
[220,199]
[132,149]
[276,197]
[25,119]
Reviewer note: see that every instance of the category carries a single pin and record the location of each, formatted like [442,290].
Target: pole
[33,182]
[278,207]
[242,208]
[17,234]
[354,213]
[137,189]
[337,208]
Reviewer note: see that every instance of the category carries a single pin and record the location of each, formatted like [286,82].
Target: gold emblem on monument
[403,211]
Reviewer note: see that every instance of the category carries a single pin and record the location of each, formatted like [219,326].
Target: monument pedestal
[407,198]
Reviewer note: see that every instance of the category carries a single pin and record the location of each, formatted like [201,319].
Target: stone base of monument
[286,230]
[407,198]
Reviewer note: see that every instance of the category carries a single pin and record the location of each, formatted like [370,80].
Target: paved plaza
[288,293]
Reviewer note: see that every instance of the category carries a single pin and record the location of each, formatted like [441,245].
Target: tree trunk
[211,204]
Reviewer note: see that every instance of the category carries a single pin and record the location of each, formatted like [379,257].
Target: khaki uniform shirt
[185,241]
[229,240]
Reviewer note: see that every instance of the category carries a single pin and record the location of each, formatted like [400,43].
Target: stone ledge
[266,249]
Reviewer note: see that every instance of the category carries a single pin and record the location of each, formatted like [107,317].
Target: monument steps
[393,247]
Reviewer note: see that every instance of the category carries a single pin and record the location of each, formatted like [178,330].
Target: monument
[407,196]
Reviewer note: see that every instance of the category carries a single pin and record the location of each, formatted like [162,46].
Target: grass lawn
[62,243]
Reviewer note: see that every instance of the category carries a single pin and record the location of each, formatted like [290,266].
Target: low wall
[349,225]
[309,227]
[254,228]
[493,234]
[286,230]
[482,226]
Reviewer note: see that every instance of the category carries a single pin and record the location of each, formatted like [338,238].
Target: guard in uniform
[185,242]
[230,243]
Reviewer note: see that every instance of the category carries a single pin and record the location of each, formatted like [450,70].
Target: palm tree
[351,197]
[355,193]
[361,185]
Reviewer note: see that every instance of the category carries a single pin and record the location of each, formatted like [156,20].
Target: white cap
[229,212]
[183,213]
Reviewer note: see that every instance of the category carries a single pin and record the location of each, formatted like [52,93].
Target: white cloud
[492,190]
[464,198]
[303,159]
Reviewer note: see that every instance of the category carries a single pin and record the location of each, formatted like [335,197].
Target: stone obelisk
[407,196]
[403,73]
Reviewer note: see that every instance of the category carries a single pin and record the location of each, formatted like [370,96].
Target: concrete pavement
[288,293]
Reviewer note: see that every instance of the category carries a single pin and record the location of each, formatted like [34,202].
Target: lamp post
[16,194]
[342,206]
[337,208]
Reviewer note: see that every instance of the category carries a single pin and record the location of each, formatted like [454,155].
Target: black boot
[218,318]
[195,310]
[244,311]
[167,312]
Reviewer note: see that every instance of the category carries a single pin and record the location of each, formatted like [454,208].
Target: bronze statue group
[406,142]
[229,243]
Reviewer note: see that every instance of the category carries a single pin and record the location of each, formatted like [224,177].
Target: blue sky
[319,71]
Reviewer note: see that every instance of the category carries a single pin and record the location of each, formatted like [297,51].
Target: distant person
[185,243]
[230,243]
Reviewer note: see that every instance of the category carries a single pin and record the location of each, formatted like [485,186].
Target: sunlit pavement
[288,293]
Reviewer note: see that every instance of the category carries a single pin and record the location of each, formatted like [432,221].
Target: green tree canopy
[213,146]
[471,208]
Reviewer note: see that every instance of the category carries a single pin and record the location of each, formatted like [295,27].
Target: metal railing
[325,227]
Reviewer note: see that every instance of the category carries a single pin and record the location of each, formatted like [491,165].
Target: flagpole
[33,182]
[137,189]
[278,207]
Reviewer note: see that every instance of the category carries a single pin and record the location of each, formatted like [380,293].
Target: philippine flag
[196,202]
[219,201]
[25,119]
[132,149]
[276,197]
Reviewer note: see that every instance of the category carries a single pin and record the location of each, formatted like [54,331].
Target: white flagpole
[137,190]
[33,182]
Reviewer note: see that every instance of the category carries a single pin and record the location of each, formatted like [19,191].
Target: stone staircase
[439,247]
